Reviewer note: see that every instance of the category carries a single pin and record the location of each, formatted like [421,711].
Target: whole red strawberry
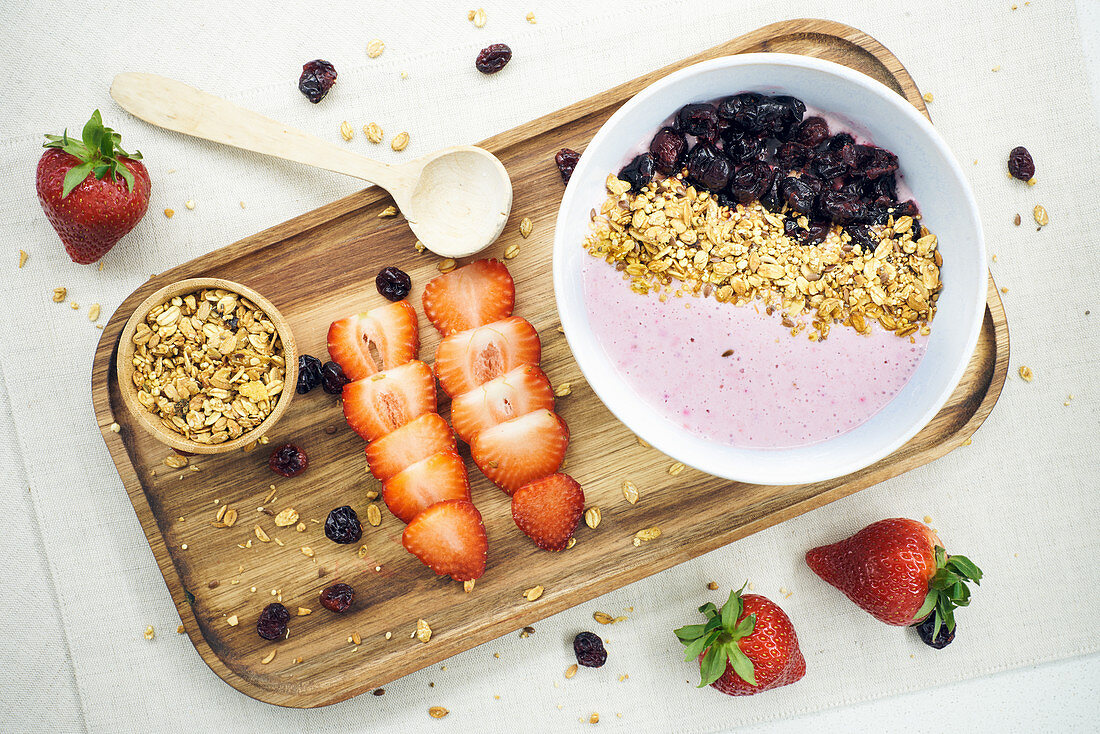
[898,571]
[746,647]
[93,192]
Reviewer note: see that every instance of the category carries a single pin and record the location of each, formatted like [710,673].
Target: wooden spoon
[455,200]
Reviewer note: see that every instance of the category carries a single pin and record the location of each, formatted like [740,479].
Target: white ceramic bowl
[948,210]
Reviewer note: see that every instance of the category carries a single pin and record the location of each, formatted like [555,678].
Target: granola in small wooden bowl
[207,365]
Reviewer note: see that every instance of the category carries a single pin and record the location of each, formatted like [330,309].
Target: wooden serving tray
[603,453]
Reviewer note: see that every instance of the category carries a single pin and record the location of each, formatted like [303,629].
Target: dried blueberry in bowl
[667,148]
[639,172]
[708,167]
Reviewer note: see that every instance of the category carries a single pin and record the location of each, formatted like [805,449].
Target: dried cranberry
[869,161]
[927,628]
[288,461]
[667,148]
[272,622]
[566,160]
[792,156]
[751,181]
[863,236]
[798,193]
[1021,166]
[639,172]
[840,140]
[815,234]
[333,378]
[493,58]
[771,199]
[393,283]
[700,120]
[812,132]
[342,526]
[317,78]
[708,168]
[742,147]
[829,164]
[309,373]
[791,228]
[762,115]
[589,650]
[739,105]
[337,598]
[840,207]
[883,186]
[906,208]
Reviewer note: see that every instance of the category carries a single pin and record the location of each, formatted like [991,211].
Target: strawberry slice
[387,400]
[548,510]
[471,358]
[375,340]
[518,392]
[439,477]
[472,296]
[449,538]
[398,450]
[521,450]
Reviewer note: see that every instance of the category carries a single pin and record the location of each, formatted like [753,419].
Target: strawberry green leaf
[742,666]
[713,665]
[965,568]
[947,589]
[709,609]
[731,610]
[74,177]
[927,607]
[745,627]
[124,171]
[689,632]
[101,170]
[694,648]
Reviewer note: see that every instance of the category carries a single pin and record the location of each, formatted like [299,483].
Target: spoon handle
[177,106]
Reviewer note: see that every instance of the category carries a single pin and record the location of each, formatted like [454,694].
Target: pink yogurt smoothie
[774,391]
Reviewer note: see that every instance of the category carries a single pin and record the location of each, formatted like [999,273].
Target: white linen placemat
[1021,501]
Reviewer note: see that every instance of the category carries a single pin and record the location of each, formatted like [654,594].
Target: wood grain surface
[214,578]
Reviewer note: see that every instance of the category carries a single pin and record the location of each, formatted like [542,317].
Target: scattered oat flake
[270,656]
[346,131]
[563,389]
[286,518]
[572,542]
[400,142]
[59,294]
[373,132]
[437,712]
[374,515]
[676,468]
[927,519]
[190,204]
[375,48]
[533,593]
[1041,216]
[594,718]
[22,258]
[149,633]
[1026,374]
[603,617]
[307,551]
[648,534]
[630,492]
[389,211]
[592,517]
[468,585]
[571,671]
[169,213]
[446,265]
[116,428]
[525,227]
[180,629]
[261,534]
[531,18]
[479,18]
[996,68]
[511,251]
[242,204]
[423,631]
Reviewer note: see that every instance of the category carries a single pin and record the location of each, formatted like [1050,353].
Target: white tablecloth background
[80,583]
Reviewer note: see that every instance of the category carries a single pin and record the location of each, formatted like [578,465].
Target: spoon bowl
[455,200]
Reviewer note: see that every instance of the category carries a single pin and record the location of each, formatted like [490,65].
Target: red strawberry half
[518,392]
[387,400]
[746,647]
[471,358]
[439,477]
[449,538]
[521,450]
[471,296]
[898,571]
[376,340]
[398,450]
[93,192]
[548,510]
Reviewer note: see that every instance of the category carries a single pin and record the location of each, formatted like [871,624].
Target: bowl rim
[124,365]
[796,472]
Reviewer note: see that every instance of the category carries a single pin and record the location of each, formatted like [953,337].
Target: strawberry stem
[719,637]
[947,590]
[99,151]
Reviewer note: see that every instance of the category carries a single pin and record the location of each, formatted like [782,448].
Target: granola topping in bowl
[209,364]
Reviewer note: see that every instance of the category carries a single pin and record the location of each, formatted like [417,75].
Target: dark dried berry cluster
[333,378]
[342,526]
[317,78]
[288,461]
[755,147]
[566,160]
[589,650]
[928,627]
[393,283]
[272,622]
[493,58]
[1020,164]
[309,373]
[337,598]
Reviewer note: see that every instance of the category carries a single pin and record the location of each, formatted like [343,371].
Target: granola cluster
[669,232]
[209,364]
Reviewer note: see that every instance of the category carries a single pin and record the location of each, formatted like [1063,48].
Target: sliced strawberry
[471,358]
[521,450]
[375,340]
[439,477]
[387,400]
[472,296]
[548,510]
[398,450]
[449,538]
[518,392]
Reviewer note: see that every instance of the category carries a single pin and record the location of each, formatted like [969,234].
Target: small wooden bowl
[124,365]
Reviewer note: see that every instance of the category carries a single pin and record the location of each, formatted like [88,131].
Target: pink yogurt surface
[774,391]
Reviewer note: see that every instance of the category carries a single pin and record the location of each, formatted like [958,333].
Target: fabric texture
[81,583]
